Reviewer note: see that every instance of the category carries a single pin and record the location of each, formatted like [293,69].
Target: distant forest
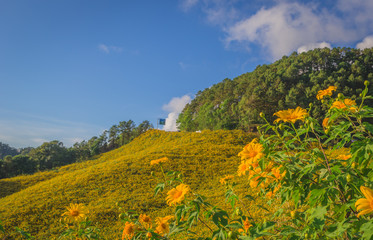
[54,154]
[287,83]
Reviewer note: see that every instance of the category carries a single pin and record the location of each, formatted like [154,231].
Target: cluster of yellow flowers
[250,156]
[145,221]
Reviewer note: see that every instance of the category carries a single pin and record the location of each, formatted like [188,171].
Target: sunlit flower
[242,169]
[177,195]
[325,123]
[344,156]
[224,179]
[291,115]
[75,212]
[365,204]
[161,160]
[345,104]
[277,173]
[252,151]
[162,225]
[327,92]
[145,220]
[129,231]
[247,224]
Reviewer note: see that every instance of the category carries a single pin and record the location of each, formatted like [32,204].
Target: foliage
[289,82]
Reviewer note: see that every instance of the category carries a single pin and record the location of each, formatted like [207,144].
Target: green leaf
[220,218]
[367,229]
[368,126]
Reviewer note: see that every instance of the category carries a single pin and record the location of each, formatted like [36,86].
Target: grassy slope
[121,177]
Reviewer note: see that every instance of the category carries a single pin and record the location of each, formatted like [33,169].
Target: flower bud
[261,114]
[310,105]
[340,95]
[348,178]
[238,212]
[366,83]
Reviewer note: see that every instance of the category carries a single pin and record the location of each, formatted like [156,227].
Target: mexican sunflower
[225,179]
[162,225]
[247,224]
[291,115]
[161,160]
[325,123]
[177,195]
[252,151]
[145,220]
[365,204]
[346,104]
[129,231]
[327,92]
[75,212]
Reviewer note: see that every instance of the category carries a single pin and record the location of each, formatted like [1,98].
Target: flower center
[74,213]
[177,194]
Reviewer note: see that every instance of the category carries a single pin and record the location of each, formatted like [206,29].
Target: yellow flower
[327,92]
[291,115]
[177,195]
[224,179]
[145,220]
[345,104]
[277,173]
[344,157]
[75,212]
[325,123]
[162,225]
[365,204]
[246,224]
[242,169]
[161,160]
[252,151]
[129,231]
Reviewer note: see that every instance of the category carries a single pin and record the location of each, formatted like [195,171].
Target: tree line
[289,82]
[54,154]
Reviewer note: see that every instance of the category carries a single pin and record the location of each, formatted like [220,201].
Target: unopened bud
[261,114]
[310,105]
[340,95]
[366,83]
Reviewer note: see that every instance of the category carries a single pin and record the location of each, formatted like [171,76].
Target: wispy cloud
[183,65]
[186,5]
[28,130]
[174,107]
[108,49]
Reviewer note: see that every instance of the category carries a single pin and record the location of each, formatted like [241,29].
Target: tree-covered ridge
[289,82]
[54,154]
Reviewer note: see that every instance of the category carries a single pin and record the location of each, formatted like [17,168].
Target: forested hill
[287,83]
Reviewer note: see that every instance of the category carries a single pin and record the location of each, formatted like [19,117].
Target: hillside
[121,177]
[287,83]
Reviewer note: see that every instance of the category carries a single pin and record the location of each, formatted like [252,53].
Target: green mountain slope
[287,83]
[121,177]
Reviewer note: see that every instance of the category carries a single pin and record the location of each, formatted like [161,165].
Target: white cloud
[312,46]
[366,43]
[288,26]
[108,49]
[174,107]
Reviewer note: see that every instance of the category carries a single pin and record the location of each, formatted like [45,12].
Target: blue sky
[71,68]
